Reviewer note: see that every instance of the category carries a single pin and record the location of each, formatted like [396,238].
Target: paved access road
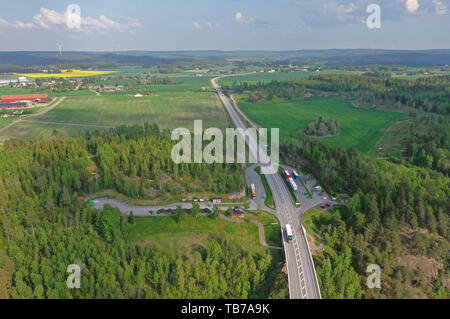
[301,273]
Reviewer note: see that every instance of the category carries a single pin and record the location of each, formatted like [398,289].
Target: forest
[136,161]
[394,212]
[45,224]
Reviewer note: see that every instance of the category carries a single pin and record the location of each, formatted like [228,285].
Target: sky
[110,25]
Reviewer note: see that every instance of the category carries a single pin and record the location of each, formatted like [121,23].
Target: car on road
[151,212]
[333,198]
[324,198]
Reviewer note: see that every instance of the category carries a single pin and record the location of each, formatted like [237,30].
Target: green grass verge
[272,230]
[314,218]
[269,199]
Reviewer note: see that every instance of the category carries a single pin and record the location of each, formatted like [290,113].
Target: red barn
[23,97]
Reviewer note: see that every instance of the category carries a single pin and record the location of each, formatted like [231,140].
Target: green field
[359,128]
[170,106]
[191,233]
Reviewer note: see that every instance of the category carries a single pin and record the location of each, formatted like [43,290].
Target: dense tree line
[428,141]
[431,94]
[386,199]
[266,91]
[136,159]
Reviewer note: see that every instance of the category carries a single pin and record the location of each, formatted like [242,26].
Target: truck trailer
[292,183]
[289,234]
[253,191]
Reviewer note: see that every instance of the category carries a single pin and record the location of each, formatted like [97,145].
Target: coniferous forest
[45,224]
[394,212]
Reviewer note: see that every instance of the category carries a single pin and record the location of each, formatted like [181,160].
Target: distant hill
[20,60]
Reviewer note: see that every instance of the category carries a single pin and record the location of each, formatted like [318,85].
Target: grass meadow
[360,128]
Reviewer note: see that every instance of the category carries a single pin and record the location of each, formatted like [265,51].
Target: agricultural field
[65,74]
[360,128]
[171,106]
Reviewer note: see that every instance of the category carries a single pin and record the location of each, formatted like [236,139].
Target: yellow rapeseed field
[64,74]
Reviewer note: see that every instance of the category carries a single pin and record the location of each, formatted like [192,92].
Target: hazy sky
[107,25]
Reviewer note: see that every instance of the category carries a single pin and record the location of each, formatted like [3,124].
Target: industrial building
[13,105]
[23,97]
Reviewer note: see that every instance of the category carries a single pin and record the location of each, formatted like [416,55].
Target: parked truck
[292,183]
[253,191]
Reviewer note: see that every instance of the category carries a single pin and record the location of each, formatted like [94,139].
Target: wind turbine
[59,47]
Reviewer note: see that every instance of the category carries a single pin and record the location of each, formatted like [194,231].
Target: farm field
[176,105]
[170,106]
[64,74]
[359,128]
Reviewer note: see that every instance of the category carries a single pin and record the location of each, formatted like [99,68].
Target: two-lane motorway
[301,274]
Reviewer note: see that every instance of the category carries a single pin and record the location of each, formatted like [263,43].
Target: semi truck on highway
[289,235]
[253,191]
[296,176]
[292,183]
[286,174]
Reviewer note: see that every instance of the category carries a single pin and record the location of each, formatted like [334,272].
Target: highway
[302,277]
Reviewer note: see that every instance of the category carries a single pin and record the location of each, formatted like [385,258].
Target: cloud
[52,20]
[197,25]
[22,25]
[239,17]
[338,13]
[17,24]
[3,23]
[207,24]
[412,5]
[441,9]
